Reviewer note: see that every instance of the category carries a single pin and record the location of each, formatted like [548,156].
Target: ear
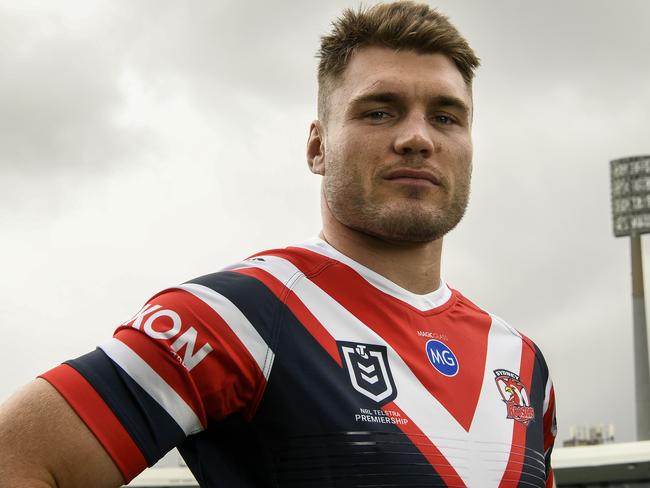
[316,148]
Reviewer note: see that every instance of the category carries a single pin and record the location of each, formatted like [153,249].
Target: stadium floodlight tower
[631,214]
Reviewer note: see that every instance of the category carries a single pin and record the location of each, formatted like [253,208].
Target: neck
[413,266]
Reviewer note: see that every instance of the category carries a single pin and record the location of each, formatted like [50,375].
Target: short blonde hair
[402,25]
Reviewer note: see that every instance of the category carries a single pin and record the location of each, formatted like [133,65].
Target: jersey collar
[423,303]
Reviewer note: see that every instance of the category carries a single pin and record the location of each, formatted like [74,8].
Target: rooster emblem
[514,394]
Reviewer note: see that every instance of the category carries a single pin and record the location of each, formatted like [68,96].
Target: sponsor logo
[442,358]
[368,369]
[165,324]
[432,335]
[515,396]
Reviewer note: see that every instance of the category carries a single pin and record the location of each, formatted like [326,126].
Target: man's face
[397,148]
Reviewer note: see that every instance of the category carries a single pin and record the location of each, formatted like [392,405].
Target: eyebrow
[441,101]
[380,97]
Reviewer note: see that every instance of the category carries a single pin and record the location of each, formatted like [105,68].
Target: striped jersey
[300,367]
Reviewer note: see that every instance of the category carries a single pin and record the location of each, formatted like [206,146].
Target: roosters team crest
[515,396]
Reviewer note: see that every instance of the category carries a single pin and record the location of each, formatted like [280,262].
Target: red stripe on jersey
[517,456]
[302,313]
[241,380]
[550,481]
[309,262]
[166,366]
[99,418]
[420,440]
[465,329]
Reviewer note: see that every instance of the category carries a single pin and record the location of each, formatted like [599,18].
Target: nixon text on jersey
[165,324]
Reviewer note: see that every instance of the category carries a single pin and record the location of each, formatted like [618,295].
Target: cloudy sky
[146,143]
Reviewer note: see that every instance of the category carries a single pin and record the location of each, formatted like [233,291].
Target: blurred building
[589,436]
[625,464]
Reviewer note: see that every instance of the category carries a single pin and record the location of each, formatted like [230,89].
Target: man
[342,362]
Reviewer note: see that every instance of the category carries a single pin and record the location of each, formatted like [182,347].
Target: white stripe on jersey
[547,393]
[477,462]
[421,302]
[153,384]
[237,321]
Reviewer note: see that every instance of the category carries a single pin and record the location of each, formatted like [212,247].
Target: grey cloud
[223,50]
[60,95]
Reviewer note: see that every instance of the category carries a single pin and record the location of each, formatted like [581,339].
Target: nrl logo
[367,366]
[515,396]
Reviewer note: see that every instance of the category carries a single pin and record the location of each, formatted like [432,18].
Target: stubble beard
[407,220]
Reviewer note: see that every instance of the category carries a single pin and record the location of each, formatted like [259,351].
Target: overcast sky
[147,142]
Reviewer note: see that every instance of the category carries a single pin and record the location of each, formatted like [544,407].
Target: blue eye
[377,115]
[444,119]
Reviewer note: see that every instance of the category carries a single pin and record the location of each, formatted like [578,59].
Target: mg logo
[368,369]
[442,358]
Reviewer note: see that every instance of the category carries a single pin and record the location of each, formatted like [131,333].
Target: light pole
[630,179]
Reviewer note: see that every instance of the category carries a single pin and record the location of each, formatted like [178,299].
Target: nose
[415,137]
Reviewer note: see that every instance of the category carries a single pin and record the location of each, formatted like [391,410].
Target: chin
[407,220]
[409,227]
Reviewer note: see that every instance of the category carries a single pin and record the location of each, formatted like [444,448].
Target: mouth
[415,177]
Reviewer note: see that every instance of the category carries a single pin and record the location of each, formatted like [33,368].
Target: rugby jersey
[300,367]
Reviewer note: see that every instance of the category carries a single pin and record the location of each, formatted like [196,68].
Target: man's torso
[334,376]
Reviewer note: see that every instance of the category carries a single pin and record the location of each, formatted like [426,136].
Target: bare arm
[43,443]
